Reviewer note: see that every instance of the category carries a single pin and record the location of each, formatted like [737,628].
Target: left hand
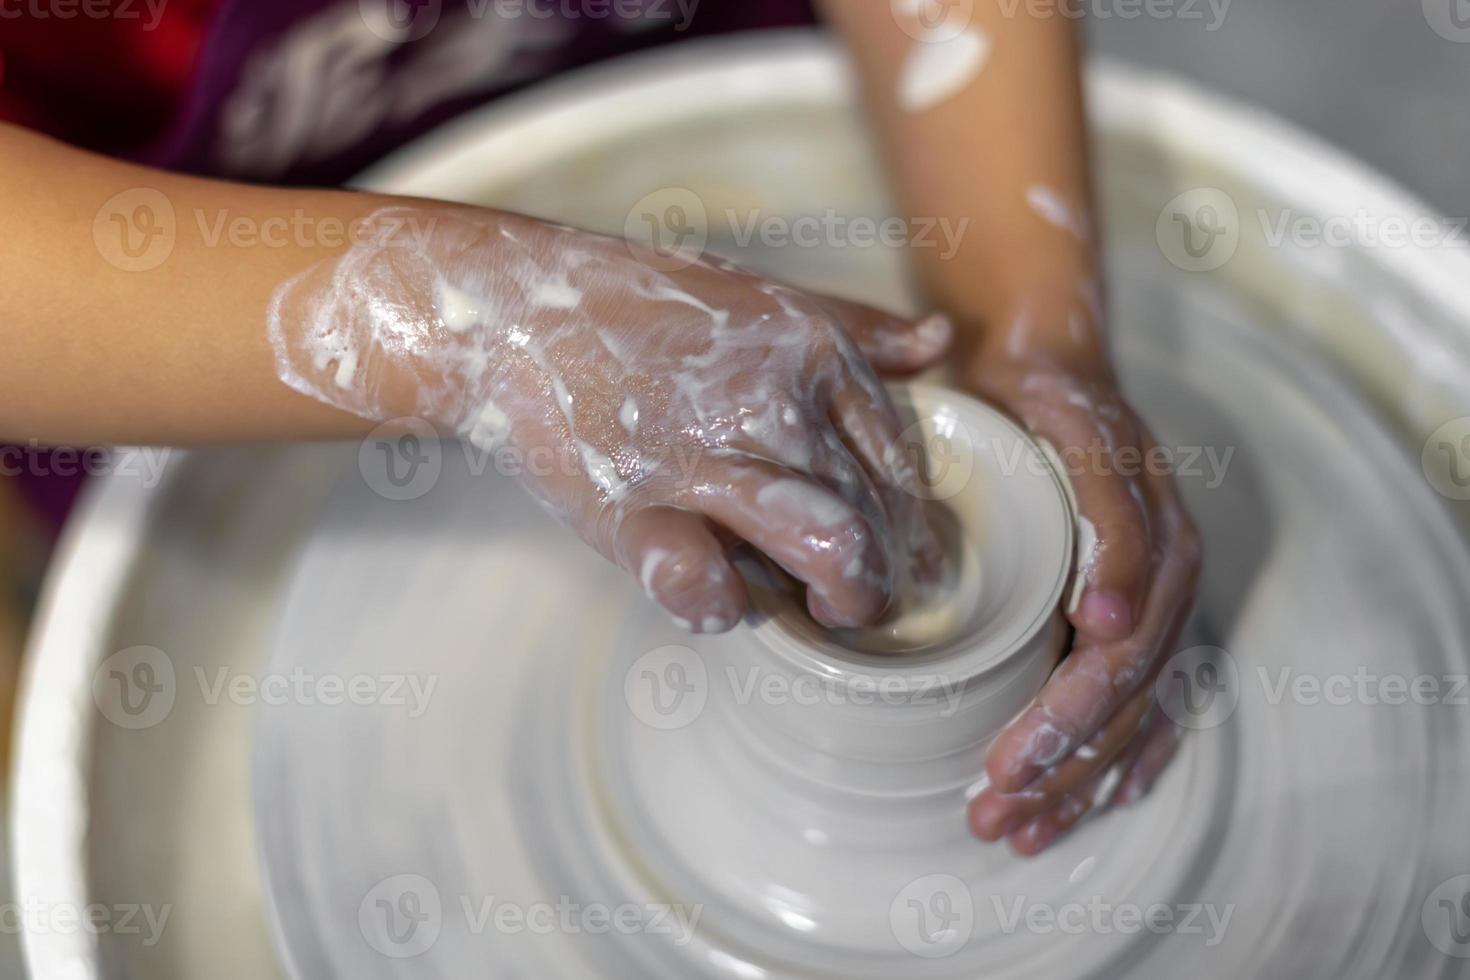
[1094,735]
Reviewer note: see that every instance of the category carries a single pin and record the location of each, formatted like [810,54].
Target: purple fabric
[312,91]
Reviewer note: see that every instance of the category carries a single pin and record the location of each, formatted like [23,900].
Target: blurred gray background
[1387,80]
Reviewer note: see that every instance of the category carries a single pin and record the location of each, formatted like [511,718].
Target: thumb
[892,344]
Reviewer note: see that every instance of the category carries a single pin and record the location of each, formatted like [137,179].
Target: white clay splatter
[488,429]
[1083,871]
[1056,210]
[556,294]
[939,70]
[1086,559]
[628,415]
[458,309]
[799,500]
[1107,786]
[652,559]
[602,471]
[346,368]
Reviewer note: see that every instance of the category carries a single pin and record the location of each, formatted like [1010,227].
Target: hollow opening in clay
[1002,516]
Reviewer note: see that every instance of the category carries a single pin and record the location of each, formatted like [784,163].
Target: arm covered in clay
[655,405]
[979,110]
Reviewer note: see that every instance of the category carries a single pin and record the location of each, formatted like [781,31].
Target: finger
[682,566]
[809,447]
[806,528]
[994,814]
[867,420]
[1114,552]
[1093,682]
[892,345]
[1046,829]
[1158,749]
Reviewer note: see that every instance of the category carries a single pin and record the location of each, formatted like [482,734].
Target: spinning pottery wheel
[502,821]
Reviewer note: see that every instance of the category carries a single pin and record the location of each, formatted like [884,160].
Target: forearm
[1006,153]
[102,348]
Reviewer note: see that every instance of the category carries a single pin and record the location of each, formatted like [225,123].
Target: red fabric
[100,81]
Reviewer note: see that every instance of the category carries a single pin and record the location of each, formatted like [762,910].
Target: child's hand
[1095,733]
[650,410]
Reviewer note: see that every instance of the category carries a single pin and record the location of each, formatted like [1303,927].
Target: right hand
[655,412]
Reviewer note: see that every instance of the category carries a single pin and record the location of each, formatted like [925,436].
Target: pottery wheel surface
[485,816]
[1296,820]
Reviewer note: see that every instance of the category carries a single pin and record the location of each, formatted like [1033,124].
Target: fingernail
[934,331]
[1034,837]
[1106,611]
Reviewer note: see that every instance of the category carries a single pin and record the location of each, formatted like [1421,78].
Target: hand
[1095,734]
[653,411]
